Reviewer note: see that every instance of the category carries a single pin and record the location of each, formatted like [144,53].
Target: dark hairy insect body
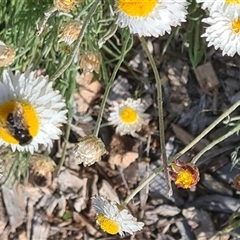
[17,126]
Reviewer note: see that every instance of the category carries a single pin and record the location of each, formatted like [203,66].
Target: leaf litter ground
[62,209]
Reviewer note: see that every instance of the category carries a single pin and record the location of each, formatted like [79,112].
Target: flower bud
[91,61]
[7,55]
[66,5]
[70,32]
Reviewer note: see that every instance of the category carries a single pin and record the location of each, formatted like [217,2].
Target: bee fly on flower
[31,111]
[16,125]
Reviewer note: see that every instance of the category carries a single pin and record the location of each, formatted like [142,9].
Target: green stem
[212,144]
[67,134]
[206,131]
[26,167]
[74,51]
[109,84]
[47,15]
[189,146]
[10,178]
[160,114]
[108,35]
[142,185]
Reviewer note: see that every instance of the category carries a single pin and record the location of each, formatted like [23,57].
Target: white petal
[47,103]
[166,14]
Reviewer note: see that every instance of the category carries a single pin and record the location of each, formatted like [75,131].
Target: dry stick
[176,156]
[160,115]
[74,51]
[212,144]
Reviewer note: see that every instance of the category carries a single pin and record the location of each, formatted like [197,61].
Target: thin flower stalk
[160,114]
[212,144]
[67,134]
[127,43]
[206,131]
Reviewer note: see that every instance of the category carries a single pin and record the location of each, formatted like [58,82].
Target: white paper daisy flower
[150,17]
[112,219]
[31,112]
[224,6]
[128,116]
[223,33]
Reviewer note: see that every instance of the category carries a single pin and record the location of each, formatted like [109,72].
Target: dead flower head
[89,150]
[236,181]
[42,165]
[70,31]
[184,175]
[42,168]
[66,5]
[91,61]
[7,55]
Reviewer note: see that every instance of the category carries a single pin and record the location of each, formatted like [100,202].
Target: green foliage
[234,157]
[18,28]
[18,21]
[232,224]
[233,122]
[196,45]
[67,215]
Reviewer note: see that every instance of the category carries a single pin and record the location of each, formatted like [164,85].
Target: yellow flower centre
[137,8]
[232,1]
[108,225]
[68,1]
[128,115]
[29,120]
[185,178]
[236,26]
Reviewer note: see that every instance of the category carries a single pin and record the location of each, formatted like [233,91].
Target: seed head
[89,150]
